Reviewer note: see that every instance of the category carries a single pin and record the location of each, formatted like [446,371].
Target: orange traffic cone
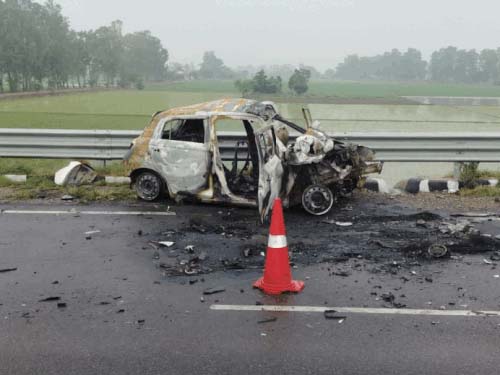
[277,275]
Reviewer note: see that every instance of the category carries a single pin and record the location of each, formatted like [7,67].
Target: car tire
[149,186]
[318,200]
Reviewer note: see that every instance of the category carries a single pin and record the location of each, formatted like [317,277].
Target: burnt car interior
[187,130]
[242,174]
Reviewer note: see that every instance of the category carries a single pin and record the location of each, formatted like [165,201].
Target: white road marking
[75,212]
[354,310]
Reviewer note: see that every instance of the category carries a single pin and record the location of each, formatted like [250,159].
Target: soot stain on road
[384,233]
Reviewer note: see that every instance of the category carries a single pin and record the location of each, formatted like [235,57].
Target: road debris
[333,315]
[75,174]
[391,298]
[6,270]
[437,250]
[211,291]
[343,224]
[50,299]
[270,320]
[166,243]
[421,223]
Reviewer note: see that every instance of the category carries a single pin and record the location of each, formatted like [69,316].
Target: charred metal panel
[185,163]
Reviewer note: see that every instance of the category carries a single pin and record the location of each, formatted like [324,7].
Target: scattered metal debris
[338,223]
[75,174]
[211,291]
[270,320]
[50,299]
[437,250]
[391,298]
[167,243]
[5,270]
[333,315]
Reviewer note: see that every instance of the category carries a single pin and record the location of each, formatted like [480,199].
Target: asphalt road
[124,315]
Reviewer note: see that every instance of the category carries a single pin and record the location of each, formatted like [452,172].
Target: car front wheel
[148,186]
[317,200]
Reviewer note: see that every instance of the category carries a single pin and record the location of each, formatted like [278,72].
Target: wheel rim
[148,186]
[317,200]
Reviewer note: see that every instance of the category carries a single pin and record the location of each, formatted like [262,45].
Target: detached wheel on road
[148,186]
[317,200]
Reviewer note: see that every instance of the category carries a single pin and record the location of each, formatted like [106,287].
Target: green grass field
[132,109]
[345,89]
[397,89]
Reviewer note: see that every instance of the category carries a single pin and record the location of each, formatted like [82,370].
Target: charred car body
[182,153]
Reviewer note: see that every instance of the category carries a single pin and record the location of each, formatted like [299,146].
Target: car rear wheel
[317,200]
[148,186]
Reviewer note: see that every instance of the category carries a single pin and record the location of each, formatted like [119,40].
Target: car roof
[228,105]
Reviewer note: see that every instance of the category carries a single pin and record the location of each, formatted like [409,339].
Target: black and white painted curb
[419,185]
[378,185]
[416,185]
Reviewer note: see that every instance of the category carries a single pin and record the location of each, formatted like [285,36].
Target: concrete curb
[112,180]
[117,180]
[20,178]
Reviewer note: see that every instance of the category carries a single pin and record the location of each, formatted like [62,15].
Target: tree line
[38,50]
[449,64]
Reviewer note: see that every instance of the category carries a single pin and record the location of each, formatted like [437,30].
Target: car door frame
[271,172]
[185,157]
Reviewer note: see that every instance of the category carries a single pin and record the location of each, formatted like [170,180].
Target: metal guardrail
[113,144]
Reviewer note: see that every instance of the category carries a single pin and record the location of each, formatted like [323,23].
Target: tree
[392,65]
[442,65]
[144,58]
[213,68]
[298,82]
[489,61]
[106,51]
[412,67]
[244,86]
[264,85]
[453,65]
[259,84]
[38,49]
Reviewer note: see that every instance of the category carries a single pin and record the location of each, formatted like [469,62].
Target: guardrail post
[457,166]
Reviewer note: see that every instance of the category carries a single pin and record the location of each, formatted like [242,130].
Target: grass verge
[43,187]
[481,191]
[48,167]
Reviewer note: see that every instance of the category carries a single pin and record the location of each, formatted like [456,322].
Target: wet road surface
[115,306]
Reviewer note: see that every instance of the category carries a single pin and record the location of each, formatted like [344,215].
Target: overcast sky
[316,32]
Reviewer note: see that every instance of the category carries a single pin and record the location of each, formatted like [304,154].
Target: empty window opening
[186,130]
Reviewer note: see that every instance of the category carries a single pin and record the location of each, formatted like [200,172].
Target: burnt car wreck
[183,152]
